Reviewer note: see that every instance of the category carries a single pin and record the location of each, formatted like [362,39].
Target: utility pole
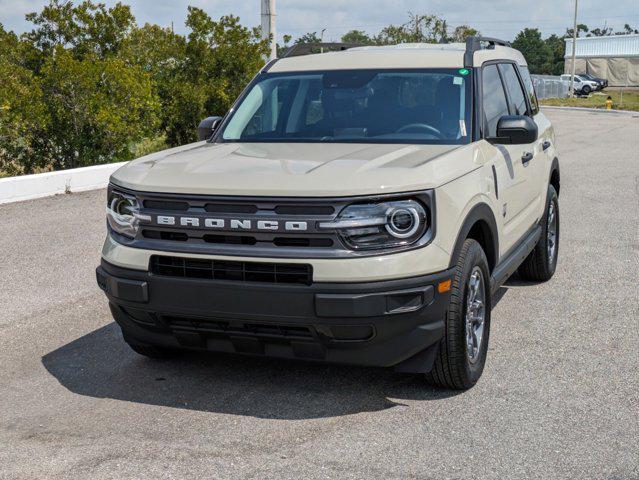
[574,53]
[268,26]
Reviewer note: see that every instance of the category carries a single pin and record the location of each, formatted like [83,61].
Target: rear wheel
[462,352]
[542,261]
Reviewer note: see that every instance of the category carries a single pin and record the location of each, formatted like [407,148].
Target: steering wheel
[421,126]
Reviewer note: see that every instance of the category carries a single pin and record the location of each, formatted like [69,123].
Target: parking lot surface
[559,397]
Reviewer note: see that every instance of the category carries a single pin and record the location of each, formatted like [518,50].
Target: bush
[88,86]
[24,120]
[98,108]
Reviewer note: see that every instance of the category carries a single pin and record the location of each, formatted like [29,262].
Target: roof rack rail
[474,44]
[308,48]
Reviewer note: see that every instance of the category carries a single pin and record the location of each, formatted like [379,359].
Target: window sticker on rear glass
[462,127]
[458,81]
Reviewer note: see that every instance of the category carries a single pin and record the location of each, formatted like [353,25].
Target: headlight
[123,213]
[381,225]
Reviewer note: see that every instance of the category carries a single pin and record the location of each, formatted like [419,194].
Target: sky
[502,19]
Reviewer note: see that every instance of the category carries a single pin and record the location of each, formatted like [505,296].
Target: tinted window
[494,99]
[530,89]
[515,93]
[367,106]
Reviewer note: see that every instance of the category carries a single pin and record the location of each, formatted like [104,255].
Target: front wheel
[586,89]
[462,352]
[542,262]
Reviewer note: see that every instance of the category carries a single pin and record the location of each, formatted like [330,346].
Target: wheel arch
[481,226]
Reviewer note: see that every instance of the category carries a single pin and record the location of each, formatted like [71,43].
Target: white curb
[28,187]
[594,110]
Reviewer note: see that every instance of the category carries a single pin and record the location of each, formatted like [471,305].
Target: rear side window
[515,92]
[494,99]
[530,89]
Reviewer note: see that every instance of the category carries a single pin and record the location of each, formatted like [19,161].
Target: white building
[615,58]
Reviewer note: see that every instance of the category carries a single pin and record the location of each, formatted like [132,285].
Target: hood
[295,169]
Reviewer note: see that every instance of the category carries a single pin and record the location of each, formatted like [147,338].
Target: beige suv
[357,206]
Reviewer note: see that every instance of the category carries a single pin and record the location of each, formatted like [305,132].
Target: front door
[514,164]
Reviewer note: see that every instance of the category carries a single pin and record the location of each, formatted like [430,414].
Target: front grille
[231,270]
[265,240]
[250,227]
[312,242]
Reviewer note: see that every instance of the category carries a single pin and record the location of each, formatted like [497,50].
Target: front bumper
[388,323]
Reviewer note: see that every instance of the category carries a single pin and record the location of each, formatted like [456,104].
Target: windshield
[382,106]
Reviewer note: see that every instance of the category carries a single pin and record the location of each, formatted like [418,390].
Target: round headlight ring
[397,225]
[122,205]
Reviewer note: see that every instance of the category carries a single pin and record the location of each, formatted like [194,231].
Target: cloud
[296,17]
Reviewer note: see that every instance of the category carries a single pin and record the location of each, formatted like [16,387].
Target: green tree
[555,64]
[461,33]
[162,54]
[98,109]
[8,44]
[310,37]
[419,29]
[23,120]
[88,28]
[627,30]
[535,50]
[358,37]
[600,32]
[18,51]
[282,49]
[581,28]
[221,58]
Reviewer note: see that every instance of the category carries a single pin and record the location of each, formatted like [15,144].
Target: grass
[598,100]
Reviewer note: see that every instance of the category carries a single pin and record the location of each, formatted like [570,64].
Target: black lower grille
[210,326]
[219,239]
[231,270]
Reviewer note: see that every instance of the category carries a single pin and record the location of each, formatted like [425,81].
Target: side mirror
[516,130]
[207,126]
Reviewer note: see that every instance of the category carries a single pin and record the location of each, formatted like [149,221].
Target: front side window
[515,92]
[368,106]
[494,99]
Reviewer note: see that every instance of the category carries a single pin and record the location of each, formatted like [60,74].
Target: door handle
[526,157]
[546,145]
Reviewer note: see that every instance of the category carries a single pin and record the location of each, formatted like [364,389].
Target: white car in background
[582,84]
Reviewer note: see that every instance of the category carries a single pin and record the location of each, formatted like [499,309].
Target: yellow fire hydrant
[609,103]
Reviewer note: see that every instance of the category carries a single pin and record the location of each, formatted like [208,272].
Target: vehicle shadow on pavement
[101,365]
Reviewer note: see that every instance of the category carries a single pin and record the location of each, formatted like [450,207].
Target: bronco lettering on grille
[231,223]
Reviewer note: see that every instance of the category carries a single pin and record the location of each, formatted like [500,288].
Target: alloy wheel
[551,233]
[475,313]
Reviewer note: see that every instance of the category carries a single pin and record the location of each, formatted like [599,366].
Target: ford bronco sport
[358,206]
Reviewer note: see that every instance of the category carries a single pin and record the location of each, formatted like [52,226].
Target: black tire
[540,266]
[586,89]
[453,368]
[150,351]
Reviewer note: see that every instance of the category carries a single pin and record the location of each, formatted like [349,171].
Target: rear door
[545,149]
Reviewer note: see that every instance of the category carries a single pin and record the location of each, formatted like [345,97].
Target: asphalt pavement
[559,397]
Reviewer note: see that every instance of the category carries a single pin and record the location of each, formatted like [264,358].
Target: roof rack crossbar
[308,48]
[474,44]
